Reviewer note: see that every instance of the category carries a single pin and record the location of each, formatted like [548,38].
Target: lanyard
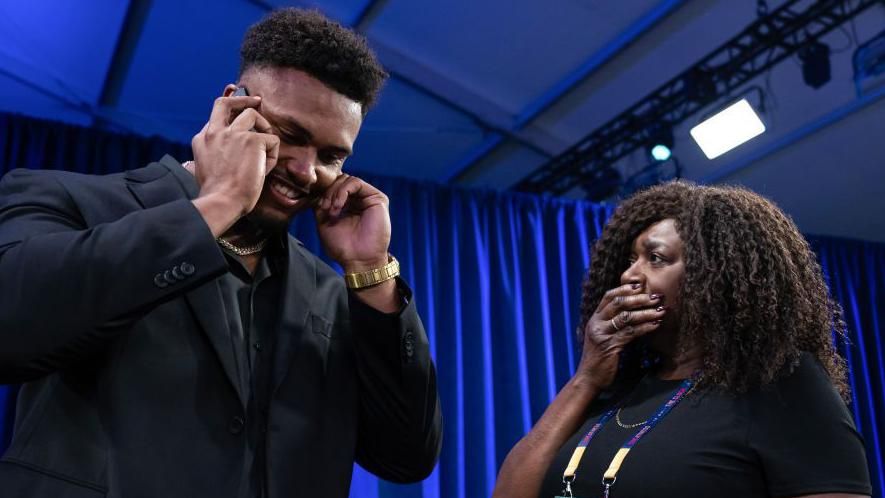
[610,475]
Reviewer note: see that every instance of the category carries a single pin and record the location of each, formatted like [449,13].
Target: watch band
[373,277]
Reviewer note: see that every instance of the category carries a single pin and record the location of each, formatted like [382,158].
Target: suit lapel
[295,322]
[159,184]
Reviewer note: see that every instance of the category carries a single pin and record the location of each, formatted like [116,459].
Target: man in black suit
[174,341]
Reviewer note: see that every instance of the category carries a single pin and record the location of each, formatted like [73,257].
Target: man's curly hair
[753,296]
[309,41]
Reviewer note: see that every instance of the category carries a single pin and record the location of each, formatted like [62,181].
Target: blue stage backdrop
[497,278]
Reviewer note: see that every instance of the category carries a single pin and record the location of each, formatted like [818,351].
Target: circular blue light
[660,152]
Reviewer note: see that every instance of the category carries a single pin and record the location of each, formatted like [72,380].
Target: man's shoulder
[19,185]
[50,177]
[23,179]
[95,197]
[25,175]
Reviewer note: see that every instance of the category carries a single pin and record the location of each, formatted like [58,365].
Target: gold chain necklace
[239,251]
[622,425]
[242,251]
[627,426]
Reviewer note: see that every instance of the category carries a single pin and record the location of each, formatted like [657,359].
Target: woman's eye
[656,258]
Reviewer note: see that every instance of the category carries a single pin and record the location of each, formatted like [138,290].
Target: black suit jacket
[111,317]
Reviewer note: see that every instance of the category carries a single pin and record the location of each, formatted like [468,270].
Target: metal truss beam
[759,47]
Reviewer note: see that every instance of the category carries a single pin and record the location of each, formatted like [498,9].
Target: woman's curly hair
[753,296]
[309,41]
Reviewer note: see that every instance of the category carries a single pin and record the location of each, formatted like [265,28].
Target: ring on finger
[615,324]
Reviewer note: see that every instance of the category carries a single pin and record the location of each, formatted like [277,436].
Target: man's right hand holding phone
[233,152]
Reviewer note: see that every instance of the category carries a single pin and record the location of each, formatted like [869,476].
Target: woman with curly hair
[708,365]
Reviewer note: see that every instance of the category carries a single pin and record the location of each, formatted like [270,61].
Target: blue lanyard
[611,474]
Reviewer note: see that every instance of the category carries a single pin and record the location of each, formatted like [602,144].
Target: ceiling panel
[507,51]
[186,55]
[503,167]
[838,191]
[54,55]
[409,134]
[69,41]
[662,53]
[26,98]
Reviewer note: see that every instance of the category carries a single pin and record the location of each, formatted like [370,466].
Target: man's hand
[353,221]
[232,158]
[354,224]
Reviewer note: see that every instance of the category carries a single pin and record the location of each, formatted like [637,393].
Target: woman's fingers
[618,293]
[620,304]
[624,313]
[629,334]
[635,316]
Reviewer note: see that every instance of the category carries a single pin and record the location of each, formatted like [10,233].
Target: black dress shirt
[251,307]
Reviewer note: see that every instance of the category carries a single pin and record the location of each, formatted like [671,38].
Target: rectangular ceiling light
[727,129]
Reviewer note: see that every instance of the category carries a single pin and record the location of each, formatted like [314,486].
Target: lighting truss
[759,47]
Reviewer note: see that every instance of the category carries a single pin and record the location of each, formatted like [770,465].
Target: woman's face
[656,263]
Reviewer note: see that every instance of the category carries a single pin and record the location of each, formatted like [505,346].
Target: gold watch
[372,277]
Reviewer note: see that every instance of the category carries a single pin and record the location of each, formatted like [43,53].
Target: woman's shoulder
[804,391]
[800,378]
[795,416]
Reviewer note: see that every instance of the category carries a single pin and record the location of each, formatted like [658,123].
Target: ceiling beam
[261,4]
[127,41]
[368,13]
[562,88]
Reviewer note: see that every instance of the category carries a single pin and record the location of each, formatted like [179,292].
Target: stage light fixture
[727,129]
[661,152]
[815,57]
[660,142]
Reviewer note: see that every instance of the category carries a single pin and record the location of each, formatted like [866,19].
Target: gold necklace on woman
[622,425]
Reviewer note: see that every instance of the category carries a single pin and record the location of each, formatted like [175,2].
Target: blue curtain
[497,280]
[35,143]
[855,272]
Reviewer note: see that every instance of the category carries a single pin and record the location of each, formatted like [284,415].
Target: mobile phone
[239,92]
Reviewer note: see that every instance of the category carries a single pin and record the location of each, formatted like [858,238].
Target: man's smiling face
[317,127]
